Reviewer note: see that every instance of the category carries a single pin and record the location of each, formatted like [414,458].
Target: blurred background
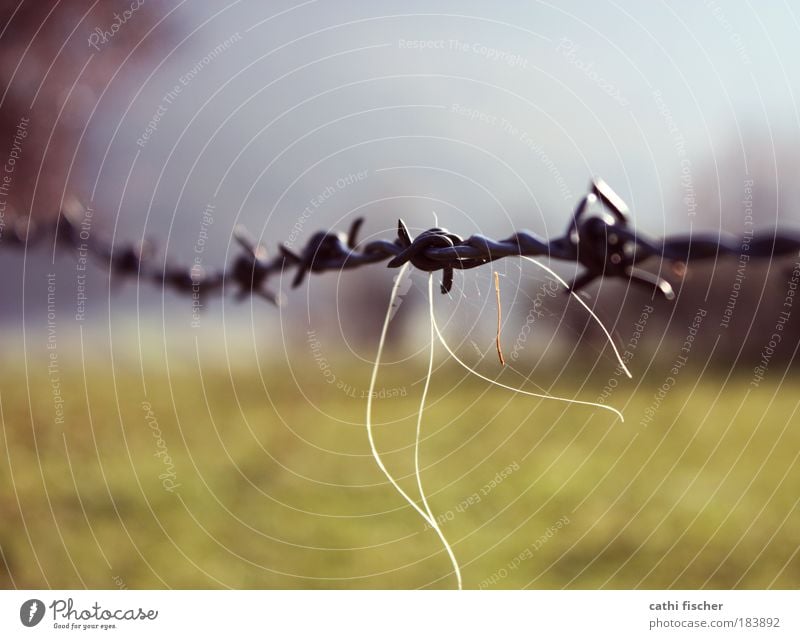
[150,444]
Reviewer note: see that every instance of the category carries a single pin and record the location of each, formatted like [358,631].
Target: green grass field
[220,481]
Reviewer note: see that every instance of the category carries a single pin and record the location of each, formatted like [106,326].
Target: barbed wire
[602,241]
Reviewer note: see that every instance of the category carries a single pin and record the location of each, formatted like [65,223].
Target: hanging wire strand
[602,241]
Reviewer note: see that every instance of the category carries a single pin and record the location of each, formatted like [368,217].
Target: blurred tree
[51,78]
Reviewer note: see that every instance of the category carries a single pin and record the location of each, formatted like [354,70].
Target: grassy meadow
[233,476]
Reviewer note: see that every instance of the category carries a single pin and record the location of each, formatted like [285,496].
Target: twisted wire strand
[602,241]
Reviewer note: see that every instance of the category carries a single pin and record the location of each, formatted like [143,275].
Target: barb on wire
[599,236]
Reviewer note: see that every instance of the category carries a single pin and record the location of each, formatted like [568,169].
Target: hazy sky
[493,116]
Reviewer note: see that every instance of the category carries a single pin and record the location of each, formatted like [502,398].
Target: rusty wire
[602,241]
